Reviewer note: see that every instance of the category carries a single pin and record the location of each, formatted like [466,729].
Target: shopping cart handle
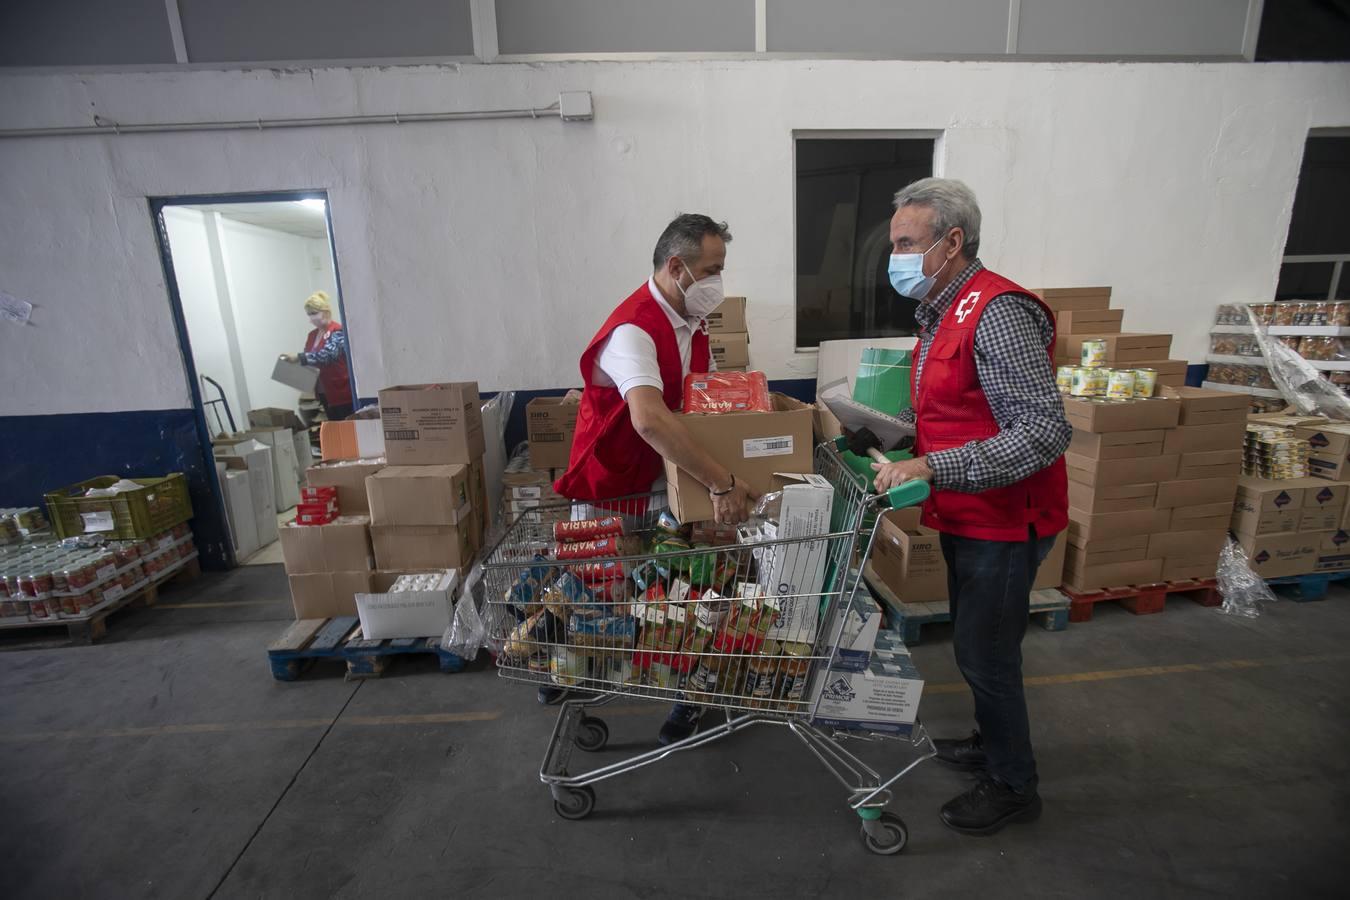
[908,493]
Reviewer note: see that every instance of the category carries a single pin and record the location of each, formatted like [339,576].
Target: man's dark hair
[683,237]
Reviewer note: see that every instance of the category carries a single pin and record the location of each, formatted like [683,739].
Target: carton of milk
[795,572]
[861,624]
[408,606]
[884,699]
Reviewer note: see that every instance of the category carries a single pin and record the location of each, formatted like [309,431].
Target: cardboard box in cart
[432,424]
[884,699]
[795,572]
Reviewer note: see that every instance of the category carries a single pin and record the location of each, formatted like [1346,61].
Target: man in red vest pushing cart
[990,434]
[633,371]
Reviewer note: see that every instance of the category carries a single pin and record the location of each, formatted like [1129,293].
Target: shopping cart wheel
[574,803]
[885,835]
[592,734]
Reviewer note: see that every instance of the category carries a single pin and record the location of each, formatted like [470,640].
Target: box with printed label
[419,495]
[1111,472]
[342,545]
[1266,507]
[1196,491]
[323,595]
[1277,555]
[1187,544]
[351,439]
[1201,517]
[1202,406]
[859,634]
[729,318]
[752,445]
[1323,504]
[1330,446]
[551,425]
[907,558]
[729,351]
[1118,498]
[432,424]
[883,699]
[1210,464]
[1100,417]
[1089,322]
[1084,527]
[425,610]
[349,477]
[1197,438]
[794,573]
[1118,444]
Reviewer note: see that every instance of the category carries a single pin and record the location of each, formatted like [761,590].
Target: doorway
[255,293]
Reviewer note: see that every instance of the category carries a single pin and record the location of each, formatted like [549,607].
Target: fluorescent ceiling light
[313,203]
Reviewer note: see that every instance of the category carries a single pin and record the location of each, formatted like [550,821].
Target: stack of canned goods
[1274,453]
[64,579]
[1092,379]
[1308,313]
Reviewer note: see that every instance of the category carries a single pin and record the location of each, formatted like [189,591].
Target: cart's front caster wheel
[592,734]
[574,803]
[885,835]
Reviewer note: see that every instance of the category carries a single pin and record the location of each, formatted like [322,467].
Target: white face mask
[702,297]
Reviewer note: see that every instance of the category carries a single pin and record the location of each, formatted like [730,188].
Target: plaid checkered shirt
[1018,378]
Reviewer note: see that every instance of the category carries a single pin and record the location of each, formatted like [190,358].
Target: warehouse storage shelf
[1324,364]
[1287,330]
[1243,389]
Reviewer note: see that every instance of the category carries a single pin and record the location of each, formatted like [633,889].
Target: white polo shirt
[627,359]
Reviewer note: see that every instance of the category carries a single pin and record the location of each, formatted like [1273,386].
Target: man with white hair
[990,435]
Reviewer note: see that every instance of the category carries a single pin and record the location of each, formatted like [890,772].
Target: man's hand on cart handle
[890,475]
[731,504]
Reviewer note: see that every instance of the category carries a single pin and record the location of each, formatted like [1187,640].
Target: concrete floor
[1205,757]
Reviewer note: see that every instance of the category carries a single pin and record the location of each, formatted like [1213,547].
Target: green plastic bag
[883,380]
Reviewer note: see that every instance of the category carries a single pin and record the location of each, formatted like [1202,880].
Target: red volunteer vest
[609,458]
[951,410]
[333,378]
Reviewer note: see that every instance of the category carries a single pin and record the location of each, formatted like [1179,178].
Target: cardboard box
[1100,417]
[907,557]
[1170,372]
[1092,578]
[1201,517]
[795,573]
[1089,322]
[883,699]
[302,378]
[826,423]
[274,417]
[1201,406]
[1118,444]
[343,545]
[432,424]
[1109,472]
[350,480]
[1196,491]
[322,595]
[1085,527]
[419,495]
[551,423]
[1187,544]
[387,614]
[1330,443]
[861,624]
[256,458]
[1050,573]
[412,548]
[1199,438]
[234,484]
[1111,551]
[1065,299]
[1323,504]
[1267,507]
[1116,498]
[753,445]
[285,469]
[1210,464]
[729,317]
[730,351]
[1121,349]
[1277,555]
[1187,567]
[351,439]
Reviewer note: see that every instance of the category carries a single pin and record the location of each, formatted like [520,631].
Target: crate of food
[119,510]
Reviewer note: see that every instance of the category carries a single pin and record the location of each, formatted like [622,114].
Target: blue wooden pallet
[340,639]
[1049,609]
[1309,587]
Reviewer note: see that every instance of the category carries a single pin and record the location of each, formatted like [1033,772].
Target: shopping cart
[742,626]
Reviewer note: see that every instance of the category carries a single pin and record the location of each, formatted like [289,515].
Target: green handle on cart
[909,493]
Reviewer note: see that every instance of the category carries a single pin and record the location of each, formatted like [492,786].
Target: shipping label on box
[1119,444]
[729,317]
[884,699]
[432,424]
[419,495]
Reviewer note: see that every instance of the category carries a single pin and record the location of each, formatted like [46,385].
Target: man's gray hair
[953,205]
[683,237]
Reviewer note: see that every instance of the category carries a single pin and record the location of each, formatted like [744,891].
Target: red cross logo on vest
[967,306]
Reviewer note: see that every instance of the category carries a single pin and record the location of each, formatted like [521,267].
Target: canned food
[1340,313]
[1120,384]
[1094,352]
[1284,313]
[1145,382]
[1265,314]
[1064,379]
[1081,386]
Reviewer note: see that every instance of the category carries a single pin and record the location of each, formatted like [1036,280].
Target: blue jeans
[989,583]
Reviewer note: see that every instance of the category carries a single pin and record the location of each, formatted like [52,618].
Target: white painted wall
[493,249]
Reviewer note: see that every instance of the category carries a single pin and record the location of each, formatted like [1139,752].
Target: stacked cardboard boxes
[729,336]
[527,493]
[327,565]
[1150,482]
[1085,314]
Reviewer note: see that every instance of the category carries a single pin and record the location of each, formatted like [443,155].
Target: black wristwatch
[727,491]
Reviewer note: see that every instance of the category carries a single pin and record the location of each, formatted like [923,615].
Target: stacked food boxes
[1151,486]
[729,336]
[527,493]
[1083,316]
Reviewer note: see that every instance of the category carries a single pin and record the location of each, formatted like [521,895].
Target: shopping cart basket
[742,625]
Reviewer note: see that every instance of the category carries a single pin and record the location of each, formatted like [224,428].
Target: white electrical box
[575,106]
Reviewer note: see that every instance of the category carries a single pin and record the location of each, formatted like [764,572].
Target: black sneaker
[682,722]
[989,805]
[966,754]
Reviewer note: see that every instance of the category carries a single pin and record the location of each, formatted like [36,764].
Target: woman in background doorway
[326,348]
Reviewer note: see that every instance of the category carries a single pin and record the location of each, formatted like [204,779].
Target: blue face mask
[906,272]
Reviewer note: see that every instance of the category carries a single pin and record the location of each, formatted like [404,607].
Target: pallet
[92,626]
[1307,588]
[1144,599]
[1049,609]
[340,639]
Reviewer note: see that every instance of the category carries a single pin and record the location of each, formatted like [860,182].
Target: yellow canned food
[1145,382]
[1064,379]
[1120,384]
[1094,352]
[1100,381]
[1081,386]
